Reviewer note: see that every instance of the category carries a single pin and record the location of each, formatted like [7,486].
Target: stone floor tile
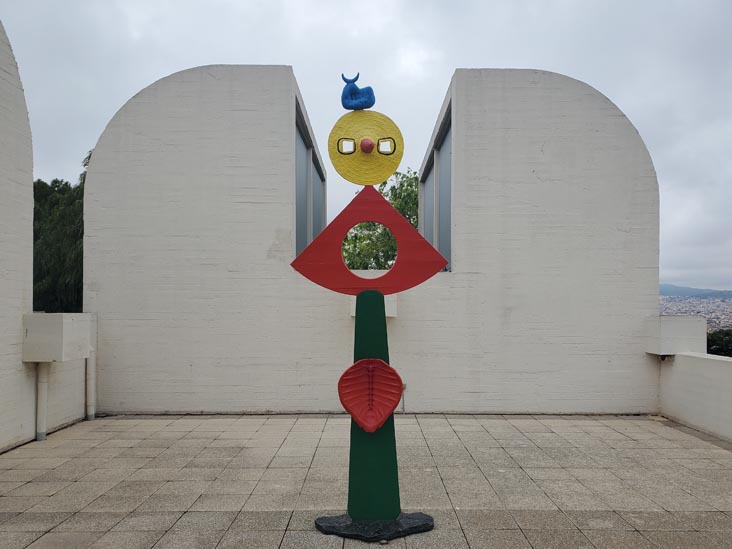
[6,516]
[261,539]
[143,522]
[682,540]
[18,540]
[542,520]
[263,520]
[149,474]
[251,473]
[125,463]
[38,488]
[491,539]
[717,539]
[654,520]
[481,519]
[6,487]
[585,465]
[547,473]
[231,487]
[532,501]
[617,539]
[323,500]
[291,461]
[598,520]
[19,504]
[205,463]
[160,504]
[141,452]
[115,504]
[135,488]
[206,520]
[270,503]
[295,539]
[558,539]
[18,475]
[33,522]
[90,522]
[197,473]
[100,475]
[9,463]
[216,502]
[128,540]
[67,540]
[438,539]
[190,539]
[41,463]
[711,521]
[183,487]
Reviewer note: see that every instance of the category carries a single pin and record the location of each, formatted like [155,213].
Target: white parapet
[673,334]
[695,390]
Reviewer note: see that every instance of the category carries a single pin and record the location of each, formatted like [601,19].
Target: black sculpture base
[405,524]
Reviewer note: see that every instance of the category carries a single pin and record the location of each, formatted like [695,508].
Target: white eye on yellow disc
[346,146]
[386,146]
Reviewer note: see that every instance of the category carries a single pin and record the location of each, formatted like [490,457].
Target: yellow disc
[352,133]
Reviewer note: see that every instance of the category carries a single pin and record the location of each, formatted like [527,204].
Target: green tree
[370,245]
[719,342]
[58,234]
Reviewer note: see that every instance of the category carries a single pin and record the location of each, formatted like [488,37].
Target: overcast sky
[666,64]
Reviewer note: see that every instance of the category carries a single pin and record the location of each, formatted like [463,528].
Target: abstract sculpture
[366,148]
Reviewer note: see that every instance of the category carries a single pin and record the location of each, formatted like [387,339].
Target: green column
[373,478]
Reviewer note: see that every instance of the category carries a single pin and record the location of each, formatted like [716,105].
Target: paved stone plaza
[258,481]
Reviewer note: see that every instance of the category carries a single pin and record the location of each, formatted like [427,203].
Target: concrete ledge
[57,337]
[695,390]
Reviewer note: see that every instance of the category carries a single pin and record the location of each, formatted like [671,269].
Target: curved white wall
[554,255]
[189,232]
[17,381]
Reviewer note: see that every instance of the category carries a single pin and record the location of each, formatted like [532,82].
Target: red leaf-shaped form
[370,391]
[322,261]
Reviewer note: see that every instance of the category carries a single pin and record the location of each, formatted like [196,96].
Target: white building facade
[17,381]
[205,185]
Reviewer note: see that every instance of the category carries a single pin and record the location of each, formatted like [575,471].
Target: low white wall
[672,334]
[17,381]
[696,390]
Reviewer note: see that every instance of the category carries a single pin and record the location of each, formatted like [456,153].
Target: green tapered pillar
[373,477]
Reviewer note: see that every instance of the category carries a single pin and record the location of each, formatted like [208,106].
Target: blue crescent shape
[350,80]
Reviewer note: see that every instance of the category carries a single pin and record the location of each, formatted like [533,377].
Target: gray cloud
[664,63]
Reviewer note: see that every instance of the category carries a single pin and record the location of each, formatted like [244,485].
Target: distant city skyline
[664,64]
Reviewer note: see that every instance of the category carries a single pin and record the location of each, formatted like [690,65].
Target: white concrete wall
[66,393]
[695,391]
[554,256]
[189,219]
[17,381]
[189,234]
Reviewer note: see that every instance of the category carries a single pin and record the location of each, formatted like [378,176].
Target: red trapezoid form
[370,391]
[322,261]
